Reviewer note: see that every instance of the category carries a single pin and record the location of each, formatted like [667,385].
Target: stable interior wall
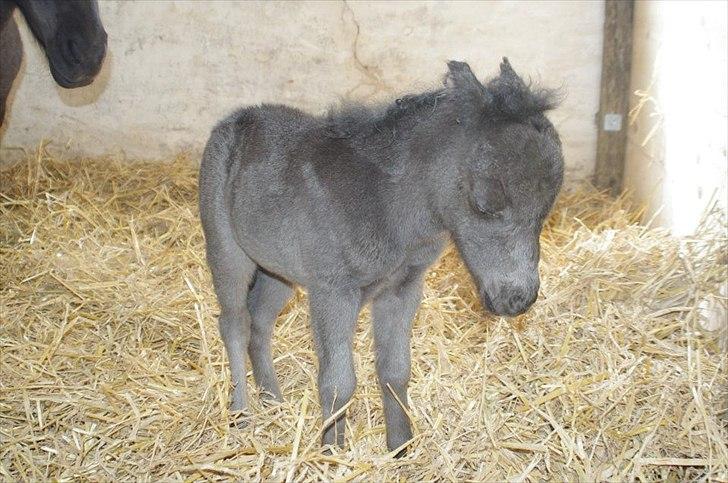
[176,67]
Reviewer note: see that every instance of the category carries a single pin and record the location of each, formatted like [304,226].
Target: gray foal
[356,205]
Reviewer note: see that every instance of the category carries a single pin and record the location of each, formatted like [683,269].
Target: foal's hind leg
[265,301]
[232,270]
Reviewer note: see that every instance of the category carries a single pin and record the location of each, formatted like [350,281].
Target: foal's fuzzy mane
[519,101]
[504,98]
[355,119]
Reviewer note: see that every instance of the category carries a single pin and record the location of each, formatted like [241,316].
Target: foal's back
[300,202]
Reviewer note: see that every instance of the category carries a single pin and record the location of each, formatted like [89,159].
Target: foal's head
[503,182]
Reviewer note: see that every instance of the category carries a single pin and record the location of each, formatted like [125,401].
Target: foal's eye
[488,196]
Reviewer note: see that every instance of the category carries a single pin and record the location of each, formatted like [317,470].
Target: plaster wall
[175,67]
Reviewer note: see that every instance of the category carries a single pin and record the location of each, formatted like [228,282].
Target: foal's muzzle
[510,301]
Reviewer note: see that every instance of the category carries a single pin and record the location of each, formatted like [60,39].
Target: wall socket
[612,122]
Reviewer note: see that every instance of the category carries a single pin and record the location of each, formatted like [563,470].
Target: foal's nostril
[515,301]
[520,301]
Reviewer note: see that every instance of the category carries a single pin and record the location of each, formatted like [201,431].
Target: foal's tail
[219,163]
[215,160]
[214,170]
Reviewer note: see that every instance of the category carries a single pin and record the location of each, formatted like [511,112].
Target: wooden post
[614,97]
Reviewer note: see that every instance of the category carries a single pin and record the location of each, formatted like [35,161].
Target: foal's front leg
[392,314]
[333,318]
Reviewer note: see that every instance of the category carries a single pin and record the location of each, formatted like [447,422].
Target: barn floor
[111,366]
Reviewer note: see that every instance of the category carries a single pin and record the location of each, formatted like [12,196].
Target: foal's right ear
[462,80]
[460,75]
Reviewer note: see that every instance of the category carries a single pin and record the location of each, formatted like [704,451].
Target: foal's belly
[278,255]
[310,241]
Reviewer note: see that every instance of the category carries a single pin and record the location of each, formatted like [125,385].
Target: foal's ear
[465,84]
[507,73]
[460,75]
[513,98]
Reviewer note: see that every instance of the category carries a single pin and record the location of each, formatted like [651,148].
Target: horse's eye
[488,196]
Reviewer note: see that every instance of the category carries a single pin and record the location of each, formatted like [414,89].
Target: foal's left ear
[513,98]
[507,72]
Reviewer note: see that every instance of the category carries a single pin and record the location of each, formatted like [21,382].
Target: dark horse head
[490,163]
[510,171]
[71,33]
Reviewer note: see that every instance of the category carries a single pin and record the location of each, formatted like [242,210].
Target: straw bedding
[111,366]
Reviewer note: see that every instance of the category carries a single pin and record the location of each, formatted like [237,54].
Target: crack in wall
[369,71]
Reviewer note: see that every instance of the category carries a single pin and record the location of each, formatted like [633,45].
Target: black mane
[362,120]
[515,100]
[463,99]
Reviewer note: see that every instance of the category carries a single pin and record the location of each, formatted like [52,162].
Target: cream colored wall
[676,150]
[176,67]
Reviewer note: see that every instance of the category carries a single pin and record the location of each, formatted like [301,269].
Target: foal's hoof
[401,453]
[331,449]
[239,423]
[271,398]
[400,446]
[239,419]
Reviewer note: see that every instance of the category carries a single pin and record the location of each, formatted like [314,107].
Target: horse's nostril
[519,301]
